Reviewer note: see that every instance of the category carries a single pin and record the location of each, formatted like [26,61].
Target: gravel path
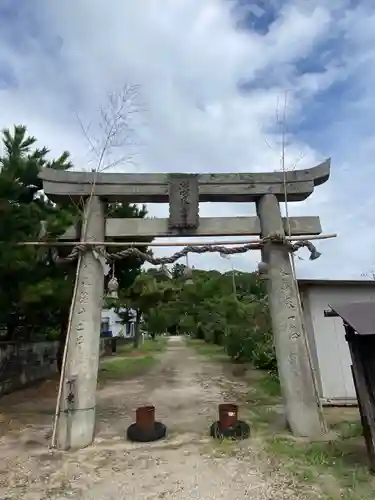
[185,390]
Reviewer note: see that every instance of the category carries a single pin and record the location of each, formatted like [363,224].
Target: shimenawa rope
[147,257]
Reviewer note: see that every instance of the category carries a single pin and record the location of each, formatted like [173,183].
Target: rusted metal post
[228,415]
[145,428]
[228,425]
[145,417]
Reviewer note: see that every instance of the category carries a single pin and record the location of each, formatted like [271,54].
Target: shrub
[250,338]
[263,355]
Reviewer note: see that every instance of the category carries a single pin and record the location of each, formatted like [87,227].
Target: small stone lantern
[112,288]
[188,274]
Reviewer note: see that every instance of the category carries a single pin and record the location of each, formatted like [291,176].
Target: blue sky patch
[256,16]
[58,57]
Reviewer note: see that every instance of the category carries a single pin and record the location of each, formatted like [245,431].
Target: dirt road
[185,390]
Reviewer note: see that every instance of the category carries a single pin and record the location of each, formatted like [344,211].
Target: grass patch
[130,362]
[332,465]
[265,390]
[262,404]
[148,346]
[269,386]
[339,467]
[348,430]
[212,351]
[123,368]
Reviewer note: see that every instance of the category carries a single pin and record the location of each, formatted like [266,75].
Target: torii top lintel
[154,188]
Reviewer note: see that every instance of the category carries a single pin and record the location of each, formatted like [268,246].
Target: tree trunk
[137,333]
[114,345]
[11,327]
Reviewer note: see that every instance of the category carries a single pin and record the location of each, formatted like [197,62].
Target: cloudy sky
[212,76]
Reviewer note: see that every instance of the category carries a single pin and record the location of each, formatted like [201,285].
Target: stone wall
[22,364]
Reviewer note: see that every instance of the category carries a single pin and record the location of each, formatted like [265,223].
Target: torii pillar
[76,420]
[294,366]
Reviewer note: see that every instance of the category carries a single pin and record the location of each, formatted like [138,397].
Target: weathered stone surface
[183,201]
[154,188]
[77,418]
[318,174]
[22,364]
[208,226]
[294,369]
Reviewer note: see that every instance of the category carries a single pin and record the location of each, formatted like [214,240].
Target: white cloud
[188,58]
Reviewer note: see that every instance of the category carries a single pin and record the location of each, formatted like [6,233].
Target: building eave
[303,283]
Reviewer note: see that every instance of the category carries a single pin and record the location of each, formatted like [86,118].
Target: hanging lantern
[188,274]
[263,268]
[112,288]
[314,254]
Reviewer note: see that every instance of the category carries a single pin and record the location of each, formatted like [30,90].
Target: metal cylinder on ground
[228,425]
[145,417]
[228,415]
[146,428]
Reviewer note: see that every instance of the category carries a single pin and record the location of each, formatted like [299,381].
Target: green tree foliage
[239,321]
[150,293]
[35,295]
[207,308]
[178,270]
[127,269]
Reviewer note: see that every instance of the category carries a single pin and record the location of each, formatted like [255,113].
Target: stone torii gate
[183,192]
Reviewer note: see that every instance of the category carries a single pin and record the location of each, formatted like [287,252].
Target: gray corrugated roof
[359,315]
[323,282]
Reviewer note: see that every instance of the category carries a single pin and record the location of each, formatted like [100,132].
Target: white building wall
[329,349]
[115,324]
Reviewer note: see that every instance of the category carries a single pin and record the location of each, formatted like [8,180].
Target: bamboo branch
[164,244]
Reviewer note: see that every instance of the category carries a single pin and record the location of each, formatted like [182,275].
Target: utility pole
[234,286]
[233,279]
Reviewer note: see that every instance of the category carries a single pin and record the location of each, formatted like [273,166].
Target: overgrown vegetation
[327,464]
[206,308]
[35,294]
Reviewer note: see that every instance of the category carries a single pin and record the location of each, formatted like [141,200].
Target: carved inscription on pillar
[290,318]
[183,201]
[287,294]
